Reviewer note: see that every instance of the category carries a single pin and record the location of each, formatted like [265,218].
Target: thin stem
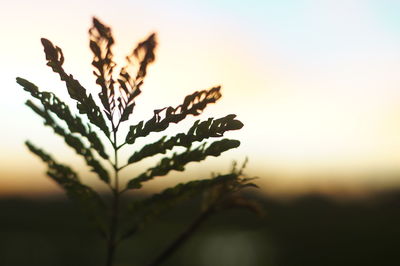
[111,241]
[122,145]
[116,162]
[182,238]
[119,122]
[122,167]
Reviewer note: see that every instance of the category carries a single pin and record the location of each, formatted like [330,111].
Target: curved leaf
[86,104]
[198,132]
[193,104]
[86,197]
[73,142]
[178,161]
[143,211]
[52,103]
[129,87]
[101,42]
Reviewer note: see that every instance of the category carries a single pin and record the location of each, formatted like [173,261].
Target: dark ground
[307,231]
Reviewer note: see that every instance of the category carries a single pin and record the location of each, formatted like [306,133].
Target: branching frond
[193,104]
[141,212]
[178,161]
[53,104]
[101,42]
[129,87]
[86,197]
[118,92]
[198,132]
[72,141]
[86,104]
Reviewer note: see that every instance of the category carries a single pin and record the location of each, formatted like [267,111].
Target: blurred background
[315,82]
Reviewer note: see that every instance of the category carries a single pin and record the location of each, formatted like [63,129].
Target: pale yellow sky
[315,82]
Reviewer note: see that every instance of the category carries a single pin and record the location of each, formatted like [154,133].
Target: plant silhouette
[113,219]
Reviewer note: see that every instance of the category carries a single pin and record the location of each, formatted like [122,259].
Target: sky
[315,82]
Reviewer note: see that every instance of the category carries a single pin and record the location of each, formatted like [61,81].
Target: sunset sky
[316,84]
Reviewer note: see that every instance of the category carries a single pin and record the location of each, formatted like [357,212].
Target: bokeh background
[316,84]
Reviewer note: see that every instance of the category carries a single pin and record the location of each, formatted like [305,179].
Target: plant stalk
[111,241]
[181,239]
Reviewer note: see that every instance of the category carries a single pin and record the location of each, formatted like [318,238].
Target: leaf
[143,211]
[52,103]
[87,198]
[144,53]
[73,142]
[101,42]
[198,132]
[129,87]
[86,104]
[178,161]
[193,104]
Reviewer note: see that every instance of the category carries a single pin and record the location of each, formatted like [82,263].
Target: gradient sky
[315,82]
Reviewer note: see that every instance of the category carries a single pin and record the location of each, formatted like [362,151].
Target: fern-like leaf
[85,104]
[141,212]
[87,198]
[73,142]
[129,87]
[53,104]
[193,104]
[198,132]
[101,42]
[178,161]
